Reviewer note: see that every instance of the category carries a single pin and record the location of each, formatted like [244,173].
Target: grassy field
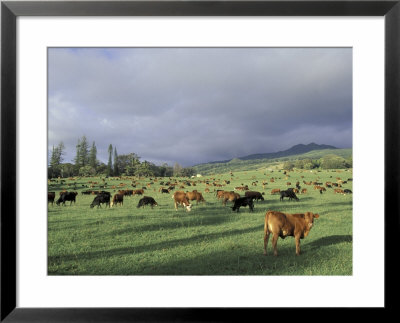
[209,240]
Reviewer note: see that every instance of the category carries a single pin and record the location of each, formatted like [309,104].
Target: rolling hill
[272,160]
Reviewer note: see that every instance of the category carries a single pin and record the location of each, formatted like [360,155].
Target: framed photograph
[199,158]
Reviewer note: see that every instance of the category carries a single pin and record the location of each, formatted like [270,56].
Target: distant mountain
[295,150]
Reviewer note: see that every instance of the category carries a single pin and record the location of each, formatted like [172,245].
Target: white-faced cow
[180,198]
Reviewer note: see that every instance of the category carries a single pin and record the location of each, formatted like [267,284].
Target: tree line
[330,161]
[85,163]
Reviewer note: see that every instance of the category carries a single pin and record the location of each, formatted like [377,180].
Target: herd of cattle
[101,197]
[279,224]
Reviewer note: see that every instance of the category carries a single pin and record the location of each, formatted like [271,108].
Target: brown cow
[195,196]
[275,191]
[181,199]
[242,188]
[220,194]
[304,191]
[285,224]
[230,196]
[138,192]
[338,190]
[118,198]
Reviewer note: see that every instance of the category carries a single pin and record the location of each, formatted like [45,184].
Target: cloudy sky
[194,105]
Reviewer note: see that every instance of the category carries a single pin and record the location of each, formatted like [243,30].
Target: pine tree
[77,158]
[109,165]
[84,152]
[56,160]
[93,156]
[116,172]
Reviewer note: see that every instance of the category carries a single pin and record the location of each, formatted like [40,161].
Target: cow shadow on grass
[237,259]
[152,247]
[182,222]
[330,240]
[342,203]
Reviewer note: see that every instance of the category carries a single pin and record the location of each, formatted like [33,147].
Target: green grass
[209,240]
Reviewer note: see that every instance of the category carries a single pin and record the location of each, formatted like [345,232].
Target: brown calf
[118,198]
[285,224]
[275,191]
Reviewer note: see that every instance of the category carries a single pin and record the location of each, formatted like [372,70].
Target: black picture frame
[10,10]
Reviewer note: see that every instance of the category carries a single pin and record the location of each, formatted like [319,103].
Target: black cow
[147,200]
[347,191]
[164,190]
[101,198]
[288,193]
[243,201]
[254,195]
[50,197]
[67,196]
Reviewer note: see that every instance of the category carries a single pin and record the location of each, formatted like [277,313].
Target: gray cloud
[194,105]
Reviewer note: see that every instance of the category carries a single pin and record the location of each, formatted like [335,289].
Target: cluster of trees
[86,163]
[327,162]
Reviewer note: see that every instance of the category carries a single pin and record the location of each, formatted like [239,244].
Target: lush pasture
[209,240]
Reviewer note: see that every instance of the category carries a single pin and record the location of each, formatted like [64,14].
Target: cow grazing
[139,191]
[220,194]
[304,191]
[164,190]
[128,192]
[118,198]
[229,196]
[100,199]
[285,224]
[243,201]
[275,191]
[181,199]
[50,197]
[147,200]
[288,193]
[254,195]
[191,196]
[338,190]
[347,191]
[67,196]
[242,188]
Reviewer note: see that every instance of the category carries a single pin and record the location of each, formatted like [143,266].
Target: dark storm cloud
[194,105]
